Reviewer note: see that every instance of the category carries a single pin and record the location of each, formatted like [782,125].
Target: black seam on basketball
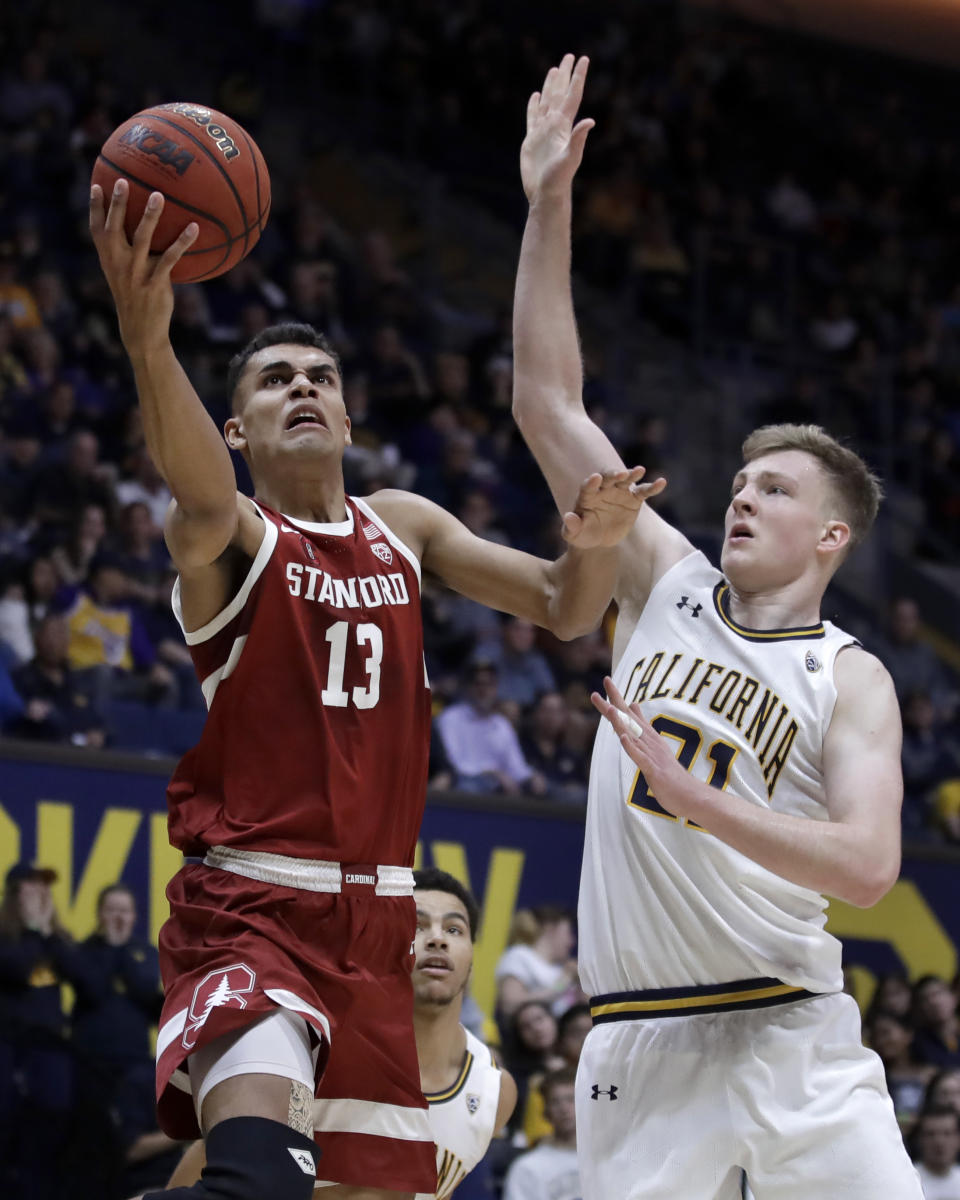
[122,171]
[220,245]
[209,151]
[256,176]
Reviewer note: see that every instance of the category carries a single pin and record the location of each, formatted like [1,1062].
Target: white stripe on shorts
[371,1117]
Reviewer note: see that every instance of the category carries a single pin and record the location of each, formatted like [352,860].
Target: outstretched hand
[140,282]
[607,507]
[553,148]
[653,754]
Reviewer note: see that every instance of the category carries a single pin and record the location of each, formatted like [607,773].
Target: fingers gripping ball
[209,170]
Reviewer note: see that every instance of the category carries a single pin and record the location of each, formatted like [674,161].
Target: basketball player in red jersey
[303,799]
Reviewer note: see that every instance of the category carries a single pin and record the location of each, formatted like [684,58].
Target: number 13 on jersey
[689,740]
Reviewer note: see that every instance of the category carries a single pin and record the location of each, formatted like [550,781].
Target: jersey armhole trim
[391,537]
[226,614]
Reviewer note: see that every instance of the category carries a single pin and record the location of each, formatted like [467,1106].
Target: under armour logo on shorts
[598,1091]
[683,602]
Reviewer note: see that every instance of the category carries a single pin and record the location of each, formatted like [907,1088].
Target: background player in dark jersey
[305,793]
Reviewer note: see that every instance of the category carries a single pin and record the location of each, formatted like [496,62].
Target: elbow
[565,629]
[870,886]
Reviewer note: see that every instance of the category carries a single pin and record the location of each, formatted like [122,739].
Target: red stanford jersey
[317,738]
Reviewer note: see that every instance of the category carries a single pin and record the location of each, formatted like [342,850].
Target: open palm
[553,147]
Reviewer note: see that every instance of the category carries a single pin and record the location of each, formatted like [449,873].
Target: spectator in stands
[145,485]
[71,559]
[481,744]
[36,1064]
[538,964]
[944,1088]
[892,1038]
[109,648]
[546,749]
[549,1171]
[892,994]
[56,707]
[118,999]
[572,1029]
[937,1038]
[938,1144]
[62,489]
[911,661]
[524,673]
[930,756]
[142,553]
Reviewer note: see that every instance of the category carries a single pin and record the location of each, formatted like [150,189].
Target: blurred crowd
[701,139]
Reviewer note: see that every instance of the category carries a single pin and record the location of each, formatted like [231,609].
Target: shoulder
[855,669]
[411,517]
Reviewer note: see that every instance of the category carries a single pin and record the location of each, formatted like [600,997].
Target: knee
[252,1158]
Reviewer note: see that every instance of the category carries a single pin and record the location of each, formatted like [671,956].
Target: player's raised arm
[183,441]
[569,596]
[548,375]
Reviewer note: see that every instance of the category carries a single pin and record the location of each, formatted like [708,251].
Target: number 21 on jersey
[689,740]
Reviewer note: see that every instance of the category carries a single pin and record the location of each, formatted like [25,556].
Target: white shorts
[788,1095]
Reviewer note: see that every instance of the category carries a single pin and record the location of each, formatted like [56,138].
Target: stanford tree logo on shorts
[225,986]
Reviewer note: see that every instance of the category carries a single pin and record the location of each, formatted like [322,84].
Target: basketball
[209,170]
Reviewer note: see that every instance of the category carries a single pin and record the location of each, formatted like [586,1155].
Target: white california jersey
[662,902]
[462,1118]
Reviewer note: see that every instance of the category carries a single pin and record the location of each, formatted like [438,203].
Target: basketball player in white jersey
[470,1097]
[748,767]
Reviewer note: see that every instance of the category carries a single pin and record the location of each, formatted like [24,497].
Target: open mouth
[740,532]
[434,966]
[305,414]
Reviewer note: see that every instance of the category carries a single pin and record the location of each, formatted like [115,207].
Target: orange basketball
[210,171]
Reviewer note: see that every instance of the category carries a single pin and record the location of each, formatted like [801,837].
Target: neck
[794,604]
[440,1041]
[308,497]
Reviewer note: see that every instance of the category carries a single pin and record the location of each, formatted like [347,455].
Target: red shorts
[236,948]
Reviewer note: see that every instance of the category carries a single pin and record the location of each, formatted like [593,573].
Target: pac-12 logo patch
[225,987]
[811,662]
[308,549]
[473,1103]
[383,552]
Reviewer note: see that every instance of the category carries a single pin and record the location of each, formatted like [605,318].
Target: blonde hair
[856,489]
[524,928]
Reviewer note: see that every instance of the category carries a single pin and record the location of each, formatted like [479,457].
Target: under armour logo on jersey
[370,530]
[304,1160]
[223,988]
[683,602]
[383,552]
[597,1091]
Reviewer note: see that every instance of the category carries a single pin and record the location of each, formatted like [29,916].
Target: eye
[775,488]
[272,379]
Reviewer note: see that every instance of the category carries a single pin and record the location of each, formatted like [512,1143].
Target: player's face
[778,519]
[290,401]
[443,951]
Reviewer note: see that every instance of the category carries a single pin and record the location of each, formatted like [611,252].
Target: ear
[234,435]
[346,440]
[834,537]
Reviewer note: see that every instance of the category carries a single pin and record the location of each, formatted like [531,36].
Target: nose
[744,501]
[437,938]
[303,386]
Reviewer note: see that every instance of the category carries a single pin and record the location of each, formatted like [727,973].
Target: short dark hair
[432,879]
[939,1110]
[569,1015]
[289,333]
[561,1077]
[115,887]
